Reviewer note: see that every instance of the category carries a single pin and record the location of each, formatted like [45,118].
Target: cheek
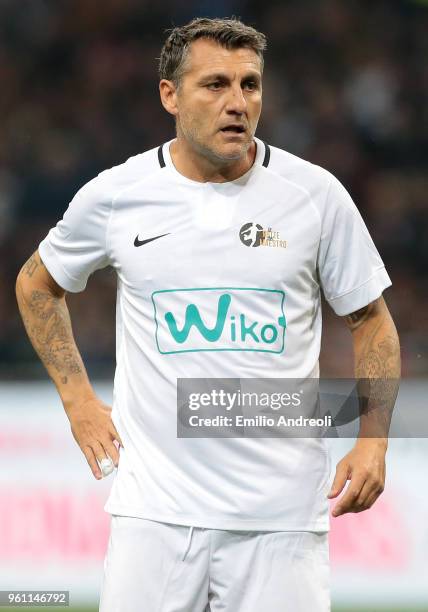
[256,109]
[200,115]
[256,105]
[192,115]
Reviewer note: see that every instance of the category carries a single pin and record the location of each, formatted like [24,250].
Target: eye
[251,85]
[214,86]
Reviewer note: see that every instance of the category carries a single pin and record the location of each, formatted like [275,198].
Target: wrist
[380,442]
[73,398]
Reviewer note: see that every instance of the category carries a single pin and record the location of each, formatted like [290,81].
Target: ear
[168,96]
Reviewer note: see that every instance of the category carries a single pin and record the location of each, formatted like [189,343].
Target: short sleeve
[351,271]
[77,245]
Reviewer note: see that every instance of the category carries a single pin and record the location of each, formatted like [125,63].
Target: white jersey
[269,240]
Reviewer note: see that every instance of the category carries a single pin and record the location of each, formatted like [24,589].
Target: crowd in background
[345,86]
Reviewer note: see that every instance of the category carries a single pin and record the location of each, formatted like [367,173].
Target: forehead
[206,55]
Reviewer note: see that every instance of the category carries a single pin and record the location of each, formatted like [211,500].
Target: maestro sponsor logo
[219,319]
[251,234]
[254,235]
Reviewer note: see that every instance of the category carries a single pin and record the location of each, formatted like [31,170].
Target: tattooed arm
[377,367]
[378,370]
[46,318]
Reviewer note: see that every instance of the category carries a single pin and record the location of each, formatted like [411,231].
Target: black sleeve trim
[160,157]
[267,155]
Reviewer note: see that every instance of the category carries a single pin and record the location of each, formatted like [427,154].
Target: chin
[231,151]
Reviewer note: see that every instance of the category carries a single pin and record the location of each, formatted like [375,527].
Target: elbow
[33,276]
[24,285]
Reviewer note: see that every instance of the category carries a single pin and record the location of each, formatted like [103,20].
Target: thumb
[341,476]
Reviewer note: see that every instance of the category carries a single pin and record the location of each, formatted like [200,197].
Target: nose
[236,104]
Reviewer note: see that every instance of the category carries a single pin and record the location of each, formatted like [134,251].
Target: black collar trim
[162,163]
[267,155]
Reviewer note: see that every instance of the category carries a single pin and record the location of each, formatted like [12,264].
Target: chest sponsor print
[219,319]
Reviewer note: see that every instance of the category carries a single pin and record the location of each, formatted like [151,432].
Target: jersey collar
[262,159]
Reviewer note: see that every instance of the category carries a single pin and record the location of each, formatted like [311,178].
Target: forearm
[47,322]
[378,370]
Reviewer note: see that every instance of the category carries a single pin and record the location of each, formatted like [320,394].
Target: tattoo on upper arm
[32,264]
[50,331]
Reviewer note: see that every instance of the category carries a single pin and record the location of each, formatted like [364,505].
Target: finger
[367,489]
[90,458]
[340,478]
[373,497]
[348,500]
[106,466]
[111,451]
[115,434]
[105,462]
[368,495]
[99,451]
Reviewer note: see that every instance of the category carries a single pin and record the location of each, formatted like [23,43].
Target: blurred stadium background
[345,86]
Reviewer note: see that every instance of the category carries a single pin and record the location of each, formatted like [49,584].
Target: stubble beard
[192,135]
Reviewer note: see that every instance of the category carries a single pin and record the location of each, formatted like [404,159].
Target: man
[235,524]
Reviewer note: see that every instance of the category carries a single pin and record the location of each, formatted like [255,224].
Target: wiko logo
[219,319]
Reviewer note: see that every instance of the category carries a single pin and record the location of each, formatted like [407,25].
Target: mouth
[233,128]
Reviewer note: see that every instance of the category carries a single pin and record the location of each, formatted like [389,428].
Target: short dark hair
[229,33]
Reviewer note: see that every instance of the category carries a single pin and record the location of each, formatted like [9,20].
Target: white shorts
[160,567]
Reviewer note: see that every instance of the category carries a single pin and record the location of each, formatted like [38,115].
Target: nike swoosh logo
[139,243]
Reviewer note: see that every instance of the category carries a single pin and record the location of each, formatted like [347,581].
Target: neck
[197,167]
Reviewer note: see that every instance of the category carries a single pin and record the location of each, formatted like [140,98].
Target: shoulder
[294,169]
[112,181]
[321,186]
[96,197]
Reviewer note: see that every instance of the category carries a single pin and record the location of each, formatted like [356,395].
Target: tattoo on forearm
[32,264]
[379,359]
[49,328]
[378,374]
